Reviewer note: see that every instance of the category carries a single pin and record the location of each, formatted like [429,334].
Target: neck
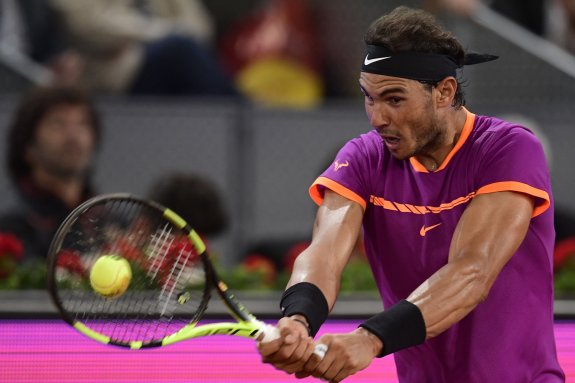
[69,189]
[454,123]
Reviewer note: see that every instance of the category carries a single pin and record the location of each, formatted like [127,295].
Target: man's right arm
[336,229]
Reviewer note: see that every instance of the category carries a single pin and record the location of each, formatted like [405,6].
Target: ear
[446,90]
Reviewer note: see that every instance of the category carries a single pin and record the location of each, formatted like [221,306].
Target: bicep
[336,229]
[486,237]
[492,228]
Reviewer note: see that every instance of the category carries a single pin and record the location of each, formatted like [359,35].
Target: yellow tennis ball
[110,276]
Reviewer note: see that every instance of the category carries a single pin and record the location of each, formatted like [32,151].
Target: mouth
[392,142]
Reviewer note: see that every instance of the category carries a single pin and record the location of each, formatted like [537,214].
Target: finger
[312,363]
[299,358]
[322,359]
[322,368]
[269,348]
[320,349]
[284,346]
[289,353]
[291,336]
[280,357]
[302,374]
[333,370]
[342,374]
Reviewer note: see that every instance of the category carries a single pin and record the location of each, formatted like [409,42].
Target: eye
[368,98]
[394,100]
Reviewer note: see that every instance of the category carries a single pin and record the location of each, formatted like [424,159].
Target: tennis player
[457,218]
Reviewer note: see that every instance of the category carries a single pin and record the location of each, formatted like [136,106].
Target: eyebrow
[385,92]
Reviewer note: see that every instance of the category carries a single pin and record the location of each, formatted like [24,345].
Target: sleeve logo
[337,165]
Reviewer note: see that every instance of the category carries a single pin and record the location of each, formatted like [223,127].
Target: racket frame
[246,326]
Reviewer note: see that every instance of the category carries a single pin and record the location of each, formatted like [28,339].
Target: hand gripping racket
[171,284]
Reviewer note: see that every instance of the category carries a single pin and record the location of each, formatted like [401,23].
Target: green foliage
[565,279]
[30,275]
[565,282]
[241,278]
[356,277]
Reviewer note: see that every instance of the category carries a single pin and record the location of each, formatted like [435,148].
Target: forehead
[372,82]
[67,108]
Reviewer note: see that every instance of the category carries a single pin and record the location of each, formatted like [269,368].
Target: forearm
[450,294]
[335,232]
[317,270]
[311,267]
[312,289]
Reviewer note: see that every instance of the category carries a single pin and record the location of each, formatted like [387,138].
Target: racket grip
[269,333]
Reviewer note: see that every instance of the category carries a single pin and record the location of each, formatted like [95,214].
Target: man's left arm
[486,237]
[489,232]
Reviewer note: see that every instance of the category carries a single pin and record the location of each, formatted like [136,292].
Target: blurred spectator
[552,19]
[275,56]
[560,25]
[530,14]
[195,198]
[145,47]
[52,142]
[458,7]
[33,29]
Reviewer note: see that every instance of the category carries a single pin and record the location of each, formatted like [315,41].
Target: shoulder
[362,152]
[367,144]
[492,133]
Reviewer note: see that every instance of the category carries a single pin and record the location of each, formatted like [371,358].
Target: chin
[401,155]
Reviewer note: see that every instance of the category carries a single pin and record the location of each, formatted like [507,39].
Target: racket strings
[163,263]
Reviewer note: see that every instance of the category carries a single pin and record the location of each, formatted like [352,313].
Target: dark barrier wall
[263,161]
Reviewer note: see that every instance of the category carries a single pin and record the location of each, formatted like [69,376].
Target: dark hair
[195,198]
[414,30]
[33,107]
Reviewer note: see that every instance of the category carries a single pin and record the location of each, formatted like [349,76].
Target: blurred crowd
[265,51]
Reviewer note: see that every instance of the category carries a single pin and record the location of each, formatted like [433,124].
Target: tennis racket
[171,284]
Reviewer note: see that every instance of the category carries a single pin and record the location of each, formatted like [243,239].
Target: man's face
[64,142]
[403,113]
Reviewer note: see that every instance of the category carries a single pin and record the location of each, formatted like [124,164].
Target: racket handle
[269,333]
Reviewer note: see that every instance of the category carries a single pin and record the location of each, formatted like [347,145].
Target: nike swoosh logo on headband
[368,61]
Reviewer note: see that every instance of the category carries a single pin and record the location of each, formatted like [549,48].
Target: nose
[378,119]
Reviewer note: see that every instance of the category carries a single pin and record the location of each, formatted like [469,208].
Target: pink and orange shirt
[410,215]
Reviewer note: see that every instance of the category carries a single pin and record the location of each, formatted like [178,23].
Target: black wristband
[306,299]
[399,327]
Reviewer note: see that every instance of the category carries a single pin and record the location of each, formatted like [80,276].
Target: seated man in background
[51,145]
[196,198]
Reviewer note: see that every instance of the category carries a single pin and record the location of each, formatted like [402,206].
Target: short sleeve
[348,175]
[513,160]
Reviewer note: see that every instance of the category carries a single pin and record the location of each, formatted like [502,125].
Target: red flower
[564,250]
[10,246]
[293,253]
[126,249]
[70,260]
[181,252]
[260,264]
